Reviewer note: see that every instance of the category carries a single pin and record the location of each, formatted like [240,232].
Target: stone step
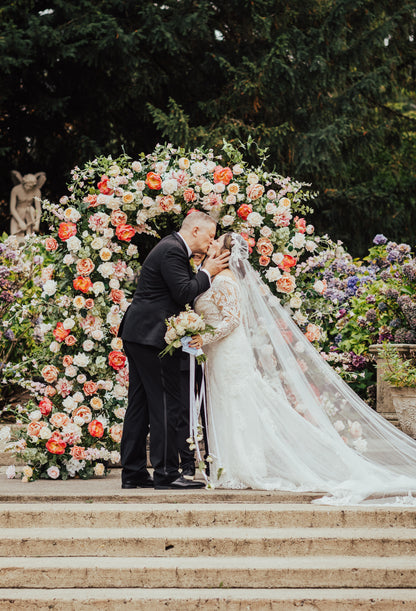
[136,599]
[191,572]
[247,515]
[213,541]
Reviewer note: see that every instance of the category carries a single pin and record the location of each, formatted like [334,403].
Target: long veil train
[315,432]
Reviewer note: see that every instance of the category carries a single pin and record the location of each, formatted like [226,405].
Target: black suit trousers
[154,402]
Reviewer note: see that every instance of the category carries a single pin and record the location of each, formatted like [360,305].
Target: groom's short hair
[196,217]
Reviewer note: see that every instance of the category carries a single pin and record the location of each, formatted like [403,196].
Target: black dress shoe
[188,472]
[180,484]
[142,483]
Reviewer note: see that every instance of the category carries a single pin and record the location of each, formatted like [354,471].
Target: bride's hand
[196,342]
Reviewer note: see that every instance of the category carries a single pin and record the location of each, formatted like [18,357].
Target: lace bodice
[220,307]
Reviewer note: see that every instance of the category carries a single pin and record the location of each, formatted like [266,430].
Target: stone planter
[404,401]
[385,405]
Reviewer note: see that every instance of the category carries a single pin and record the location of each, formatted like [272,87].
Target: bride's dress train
[279,417]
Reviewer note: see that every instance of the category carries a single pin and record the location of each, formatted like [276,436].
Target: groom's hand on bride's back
[217,263]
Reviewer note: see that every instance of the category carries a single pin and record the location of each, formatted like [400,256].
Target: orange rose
[85,267]
[55,445]
[189,195]
[287,262]
[91,200]
[50,373]
[264,261]
[34,428]
[82,284]
[45,406]
[67,230]
[153,181]
[50,391]
[244,210]
[118,217]
[116,360]
[264,247]
[90,387]
[59,420]
[125,232]
[116,295]
[67,360]
[84,412]
[70,340]
[116,431]
[286,284]
[166,203]
[255,191]
[96,429]
[51,244]
[77,452]
[60,333]
[103,186]
[223,175]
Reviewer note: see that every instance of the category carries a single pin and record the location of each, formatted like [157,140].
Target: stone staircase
[147,550]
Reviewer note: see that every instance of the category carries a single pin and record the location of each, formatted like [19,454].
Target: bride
[279,417]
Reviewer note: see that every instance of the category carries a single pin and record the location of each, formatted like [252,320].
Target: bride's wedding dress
[279,417]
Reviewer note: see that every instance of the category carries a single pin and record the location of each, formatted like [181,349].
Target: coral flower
[82,284]
[287,262]
[116,360]
[103,186]
[51,244]
[153,181]
[125,232]
[45,406]
[55,445]
[96,429]
[60,333]
[223,175]
[244,210]
[67,230]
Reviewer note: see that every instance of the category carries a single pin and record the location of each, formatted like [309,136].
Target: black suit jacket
[166,284]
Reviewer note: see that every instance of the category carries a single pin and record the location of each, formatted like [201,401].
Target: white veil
[342,446]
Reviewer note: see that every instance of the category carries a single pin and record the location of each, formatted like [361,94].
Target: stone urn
[404,401]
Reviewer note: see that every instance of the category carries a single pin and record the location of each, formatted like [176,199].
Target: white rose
[81,378]
[271,208]
[97,334]
[310,229]
[266,231]
[68,323]
[219,187]
[73,244]
[114,170]
[310,245]
[116,343]
[295,302]
[54,347]
[81,360]
[277,258]
[97,243]
[273,274]
[102,199]
[230,200]
[68,260]
[319,286]
[298,240]
[206,187]
[71,371]
[108,232]
[169,186]
[88,345]
[255,219]
[132,250]
[198,168]
[300,318]
[105,254]
[237,169]
[71,214]
[148,202]
[69,404]
[35,415]
[98,287]
[49,288]
[183,163]
[119,392]
[45,433]
[114,283]
[120,412]
[136,166]
[106,269]
[99,469]
[252,178]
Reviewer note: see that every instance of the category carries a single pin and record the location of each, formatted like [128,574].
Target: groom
[166,284]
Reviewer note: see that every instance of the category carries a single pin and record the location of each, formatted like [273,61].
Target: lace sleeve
[226,298]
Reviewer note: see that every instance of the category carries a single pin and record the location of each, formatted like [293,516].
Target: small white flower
[54,347]
[277,258]
[169,186]
[35,416]
[273,274]
[73,244]
[227,220]
[88,345]
[136,166]
[266,232]
[98,287]
[97,243]
[68,323]
[310,245]
[255,219]
[237,169]
[45,433]
[53,472]
[206,187]
[68,260]
[11,472]
[81,360]
[114,283]
[49,288]
[252,178]
[298,240]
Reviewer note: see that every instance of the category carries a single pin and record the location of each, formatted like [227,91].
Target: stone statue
[25,208]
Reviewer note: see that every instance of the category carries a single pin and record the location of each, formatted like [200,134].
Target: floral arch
[75,421]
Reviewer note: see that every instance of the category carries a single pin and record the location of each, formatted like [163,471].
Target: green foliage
[400,372]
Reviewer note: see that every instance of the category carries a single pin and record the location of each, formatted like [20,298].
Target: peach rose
[59,420]
[286,284]
[153,181]
[233,188]
[77,452]
[255,191]
[287,262]
[67,360]
[91,200]
[116,296]
[127,198]
[300,224]
[264,261]
[223,175]
[85,267]
[96,429]
[82,284]
[96,403]
[34,428]
[189,195]
[45,406]
[90,388]
[50,373]
[116,360]
[166,203]
[51,244]
[70,340]
[118,217]
[60,333]
[313,332]
[116,432]
[125,232]
[50,391]
[264,247]
[67,230]
[84,412]
[89,303]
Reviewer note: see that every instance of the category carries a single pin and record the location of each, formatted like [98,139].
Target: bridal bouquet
[181,328]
